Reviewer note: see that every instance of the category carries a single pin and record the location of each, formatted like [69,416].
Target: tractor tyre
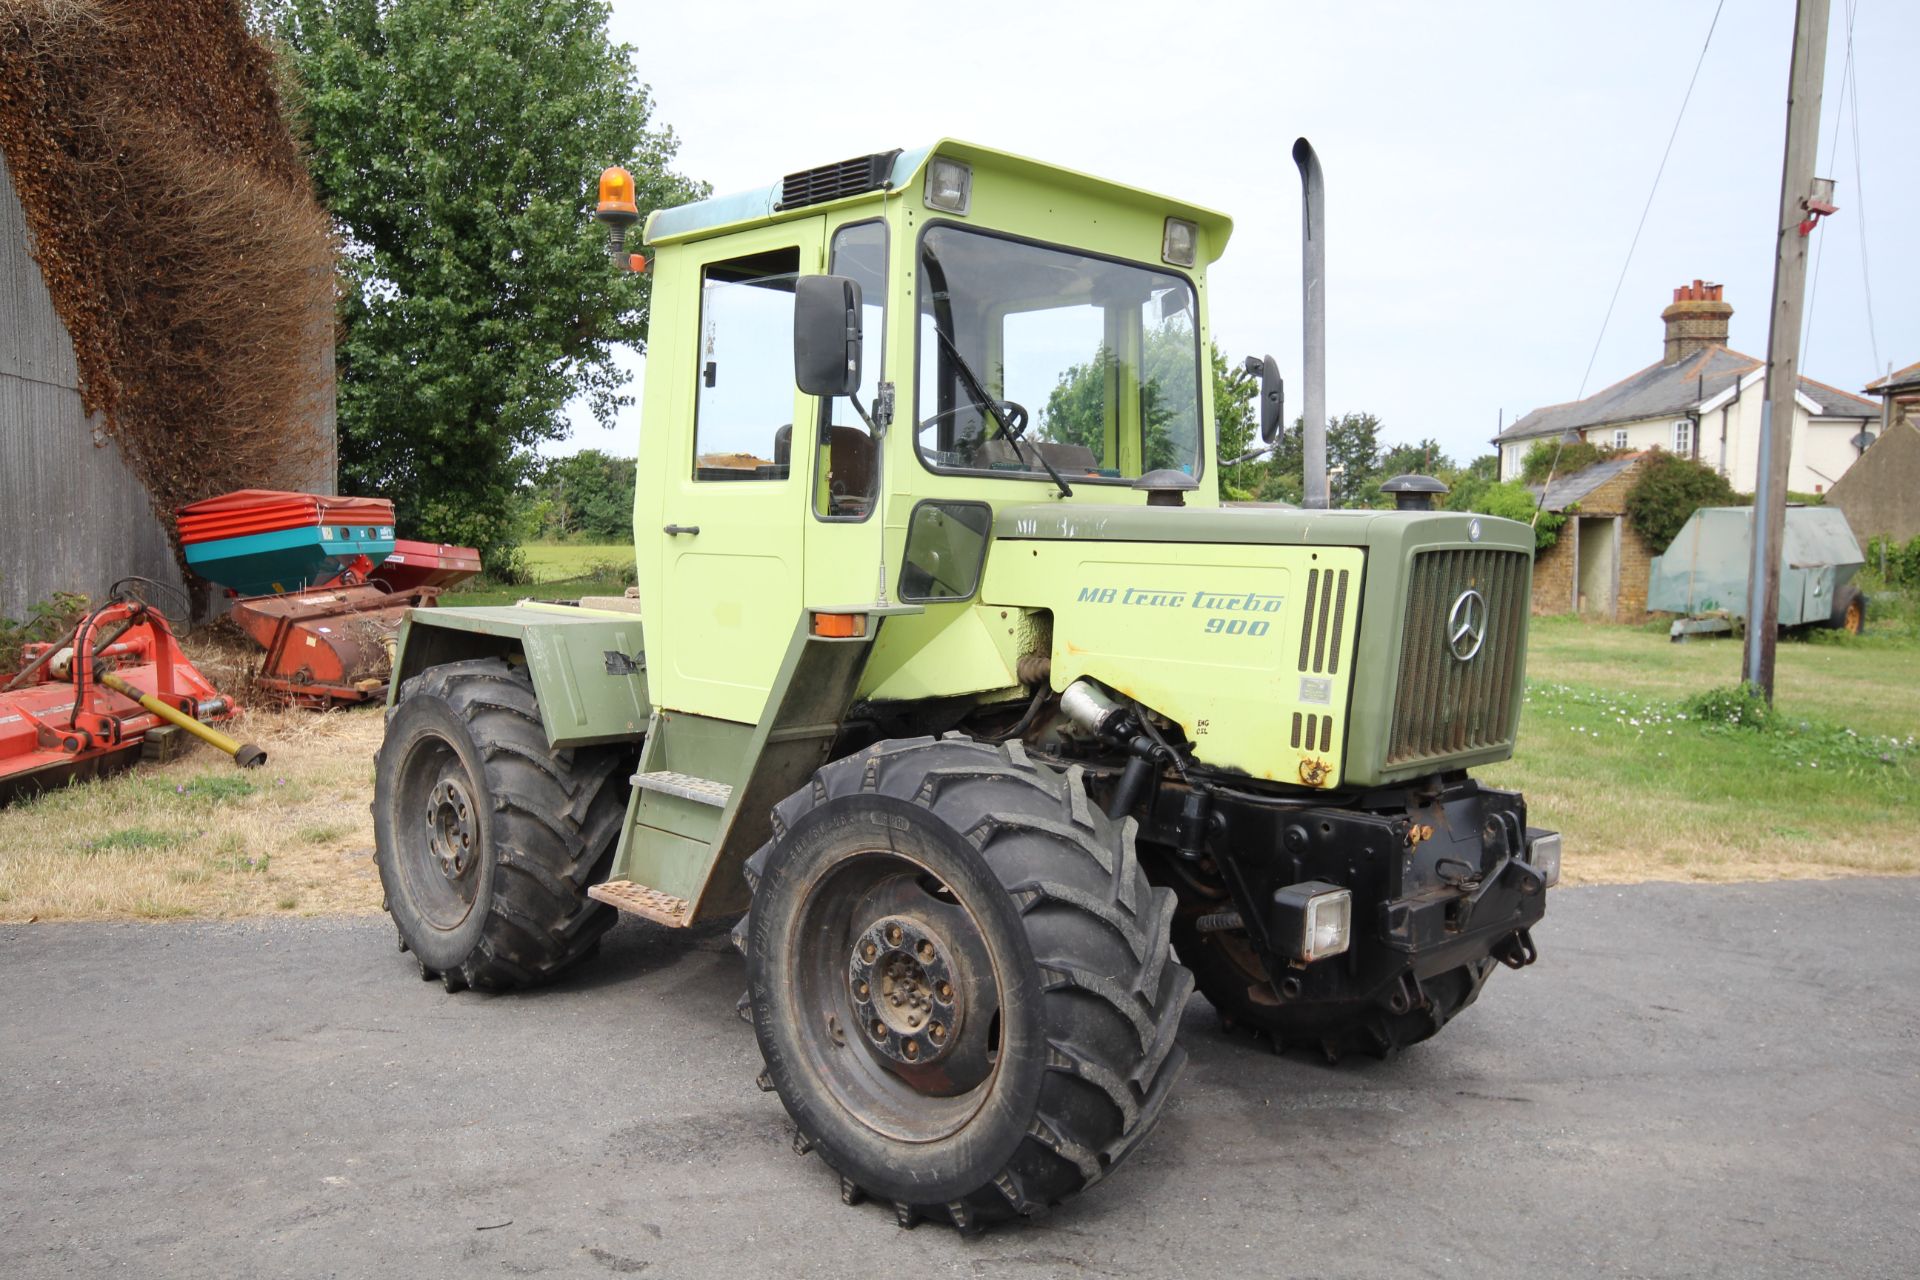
[487,838]
[1232,977]
[960,980]
[1849,611]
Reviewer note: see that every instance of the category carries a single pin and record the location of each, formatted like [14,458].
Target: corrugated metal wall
[73,516]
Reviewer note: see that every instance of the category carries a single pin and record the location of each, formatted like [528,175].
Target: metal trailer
[1703,574]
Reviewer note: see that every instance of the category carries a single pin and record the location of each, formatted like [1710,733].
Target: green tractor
[948,668]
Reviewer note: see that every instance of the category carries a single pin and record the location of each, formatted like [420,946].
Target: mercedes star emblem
[1467,625]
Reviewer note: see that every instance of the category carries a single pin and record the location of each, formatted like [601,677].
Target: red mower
[116,689]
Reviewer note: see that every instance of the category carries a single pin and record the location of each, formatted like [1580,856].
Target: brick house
[1702,401]
[1598,565]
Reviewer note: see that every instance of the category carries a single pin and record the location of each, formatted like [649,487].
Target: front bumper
[1444,883]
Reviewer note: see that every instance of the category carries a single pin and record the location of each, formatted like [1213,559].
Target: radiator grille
[1444,706]
[832,181]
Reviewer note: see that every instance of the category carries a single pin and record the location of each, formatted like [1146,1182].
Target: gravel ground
[1693,1081]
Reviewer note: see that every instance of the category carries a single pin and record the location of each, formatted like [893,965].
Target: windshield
[1093,364]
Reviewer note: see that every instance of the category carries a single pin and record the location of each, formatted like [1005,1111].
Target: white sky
[1486,163]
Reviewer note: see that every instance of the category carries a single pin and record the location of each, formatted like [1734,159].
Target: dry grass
[198,837]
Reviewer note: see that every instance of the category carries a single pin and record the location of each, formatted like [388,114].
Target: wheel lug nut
[868,950]
[938,1031]
[911,1049]
[926,949]
[894,935]
[946,991]
[879,1029]
[860,990]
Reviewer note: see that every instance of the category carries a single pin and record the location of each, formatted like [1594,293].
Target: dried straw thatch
[178,233]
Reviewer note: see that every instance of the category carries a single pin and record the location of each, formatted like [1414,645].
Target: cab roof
[868,177]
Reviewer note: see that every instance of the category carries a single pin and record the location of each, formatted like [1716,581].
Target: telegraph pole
[1792,227]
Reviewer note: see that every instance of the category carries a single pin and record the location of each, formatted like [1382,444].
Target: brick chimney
[1696,320]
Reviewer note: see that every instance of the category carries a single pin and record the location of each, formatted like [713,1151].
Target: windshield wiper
[974,388]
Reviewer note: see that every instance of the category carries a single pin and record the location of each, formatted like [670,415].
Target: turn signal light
[839,626]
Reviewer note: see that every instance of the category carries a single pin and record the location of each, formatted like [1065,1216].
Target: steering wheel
[1014,412]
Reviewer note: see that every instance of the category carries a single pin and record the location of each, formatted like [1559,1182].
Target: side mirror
[1273,397]
[826,335]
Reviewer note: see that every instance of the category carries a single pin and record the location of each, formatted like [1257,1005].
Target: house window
[1683,437]
[1620,438]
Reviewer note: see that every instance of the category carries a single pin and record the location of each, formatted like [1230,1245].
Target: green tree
[1353,460]
[1668,490]
[588,495]
[457,143]
[1236,425]
[1076,408]
[1514,501]
[1426,458]
[1467,483]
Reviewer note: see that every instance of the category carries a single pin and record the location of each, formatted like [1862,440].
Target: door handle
[675,530]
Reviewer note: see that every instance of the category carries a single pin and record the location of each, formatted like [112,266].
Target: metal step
[651,904]
[685,786]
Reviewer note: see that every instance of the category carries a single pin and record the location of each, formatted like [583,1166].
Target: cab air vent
[835,181]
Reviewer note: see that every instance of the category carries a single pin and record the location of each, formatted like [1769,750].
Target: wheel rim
[439,829]
[896,998]
[1854,619]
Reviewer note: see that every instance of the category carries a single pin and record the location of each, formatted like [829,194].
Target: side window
[847,472]
[743,414]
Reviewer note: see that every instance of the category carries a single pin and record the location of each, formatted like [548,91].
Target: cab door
[735,496]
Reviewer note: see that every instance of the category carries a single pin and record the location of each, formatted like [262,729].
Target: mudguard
[588,665]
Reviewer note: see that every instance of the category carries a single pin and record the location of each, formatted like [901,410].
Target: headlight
[1543,854]
[1312,920]
[949,186]
[1178,244]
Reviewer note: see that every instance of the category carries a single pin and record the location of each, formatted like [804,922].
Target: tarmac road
[1692,1082]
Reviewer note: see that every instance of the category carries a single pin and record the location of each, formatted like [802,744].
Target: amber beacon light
[617,210]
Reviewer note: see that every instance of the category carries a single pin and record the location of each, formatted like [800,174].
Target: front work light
[1178,245]
[1543,854]
[1312,920]
[949,186]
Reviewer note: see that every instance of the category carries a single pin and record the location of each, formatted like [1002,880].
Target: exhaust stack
[1313,246]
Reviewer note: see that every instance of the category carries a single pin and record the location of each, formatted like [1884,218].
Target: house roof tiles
[1661,389]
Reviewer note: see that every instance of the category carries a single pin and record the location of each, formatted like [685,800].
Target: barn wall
[73,517]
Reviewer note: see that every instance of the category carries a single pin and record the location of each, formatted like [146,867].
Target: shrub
[1902,562]
[1667,493]
[1514,501]
[1741,706]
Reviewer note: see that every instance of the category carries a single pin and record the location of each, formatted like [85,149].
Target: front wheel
[1235,982]
[960,980]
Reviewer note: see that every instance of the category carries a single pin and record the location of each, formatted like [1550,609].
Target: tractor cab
[998,332]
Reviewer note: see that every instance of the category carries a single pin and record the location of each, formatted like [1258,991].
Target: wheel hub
[902,982]
[452,832]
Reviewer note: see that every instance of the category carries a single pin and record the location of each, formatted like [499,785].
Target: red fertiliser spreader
[118,687]
[319,583]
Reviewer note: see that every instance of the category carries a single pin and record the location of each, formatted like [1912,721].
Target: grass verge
[1644,789]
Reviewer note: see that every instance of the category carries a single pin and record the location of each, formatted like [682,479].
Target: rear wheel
[485,837]
[1231,975]
[960,980]
[1849,611]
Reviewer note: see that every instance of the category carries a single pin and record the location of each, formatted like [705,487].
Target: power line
[1635,244]
[1859,186]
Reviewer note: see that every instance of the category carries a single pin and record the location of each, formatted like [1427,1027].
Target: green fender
[588,665]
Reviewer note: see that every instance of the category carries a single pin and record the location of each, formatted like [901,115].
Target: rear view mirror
[826,335]
[1273,396]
